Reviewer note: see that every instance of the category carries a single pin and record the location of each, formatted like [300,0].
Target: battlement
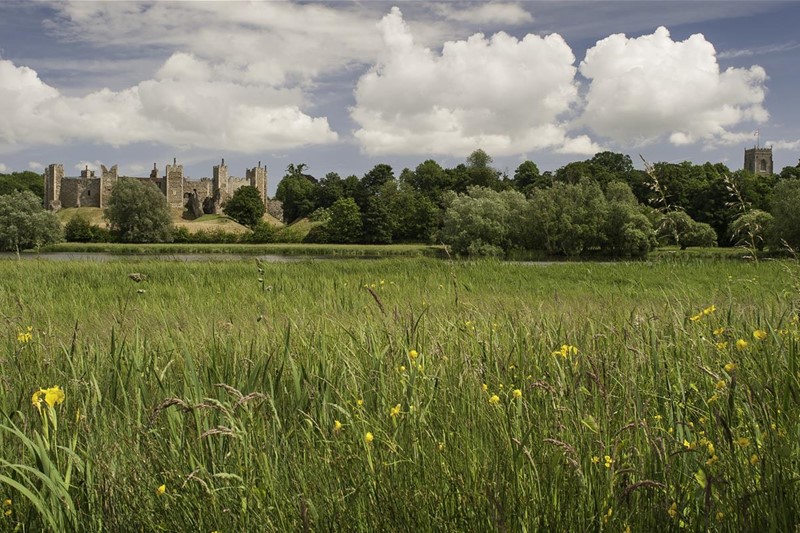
[90,190]
[758,160]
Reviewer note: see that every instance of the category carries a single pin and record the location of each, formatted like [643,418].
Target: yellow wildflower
[695,318]
[753,459]
[711,460]
[719,331]
[608,461]
[658,418]
[337,426]
[709,310]
[24,337]
[743,442]
[730,367]
[413,355]
[52,397]
[7,502]
[485,387]
[360,403]
[401,368]
[720,516]
[595,459]
[741,344]
[517,393]
[759,334]
[566,350]
[494,399]
[368,437]
[720,384]
[161,490]
[673,510]
[394,411]
[721,345]
[607,516]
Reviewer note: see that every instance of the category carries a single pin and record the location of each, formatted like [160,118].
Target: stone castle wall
[89,190]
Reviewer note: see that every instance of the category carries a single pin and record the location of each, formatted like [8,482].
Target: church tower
[758,160]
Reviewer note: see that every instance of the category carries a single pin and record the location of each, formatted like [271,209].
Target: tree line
[601,205]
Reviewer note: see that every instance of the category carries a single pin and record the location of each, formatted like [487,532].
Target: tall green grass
[248,394]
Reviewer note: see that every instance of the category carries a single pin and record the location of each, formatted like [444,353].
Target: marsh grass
[227,390]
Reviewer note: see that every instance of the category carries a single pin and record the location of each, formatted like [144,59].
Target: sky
[344,85]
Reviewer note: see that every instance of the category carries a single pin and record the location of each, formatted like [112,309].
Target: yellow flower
[360,403]
[753,459]
[607,517]
[721,345]
[337,426]
[52,397]
[161,490]
[730,367]
[7,502]
[24,337]
[720,516]
[711,460]
[759,334]
[595,459]
[695,318]
[494,399]
[741,344]
[719,331]
[485,387]
[673,510]
[517,393]
[688,445]
[608,461]
[413,355]
[368,438]
[743,442]
[401,368]
[394,411]
[657,418]
[720,384]
[709,310]
[566,350]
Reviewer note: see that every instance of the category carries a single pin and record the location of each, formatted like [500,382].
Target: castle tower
[258,179]
[108,177]
[220,181]
[173,184]
[53,175]
[758,160]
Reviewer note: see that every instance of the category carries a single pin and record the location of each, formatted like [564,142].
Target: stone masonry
[90,190]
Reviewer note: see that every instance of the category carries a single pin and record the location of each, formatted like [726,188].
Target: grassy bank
[406,394]
[408,250]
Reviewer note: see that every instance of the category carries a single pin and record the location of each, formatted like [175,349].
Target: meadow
[399,394]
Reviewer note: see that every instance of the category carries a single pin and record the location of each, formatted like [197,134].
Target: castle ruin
[205,195]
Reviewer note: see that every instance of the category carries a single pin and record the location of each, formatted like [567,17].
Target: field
[404,394]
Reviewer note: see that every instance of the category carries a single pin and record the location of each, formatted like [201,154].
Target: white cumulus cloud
[648,88]
[500,93]
[185,105]
[789,146]
[492,12]
[3,168]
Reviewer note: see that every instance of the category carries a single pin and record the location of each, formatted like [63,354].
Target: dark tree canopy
[245,206]
[138,212]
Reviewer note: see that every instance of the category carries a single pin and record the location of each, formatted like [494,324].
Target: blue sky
[342,86]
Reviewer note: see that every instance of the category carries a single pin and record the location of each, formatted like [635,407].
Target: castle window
[762,165]
[88,193]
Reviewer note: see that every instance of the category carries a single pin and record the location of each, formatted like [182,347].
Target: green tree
[138,212]
[331,189]
[298,194]
[484,222]
[344,225]
[678,228]
[527,178]
[569,218]
[786,214]
[245,206]
[480,171]
[22,181]
[78,229]
[751,229]
[24,223]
